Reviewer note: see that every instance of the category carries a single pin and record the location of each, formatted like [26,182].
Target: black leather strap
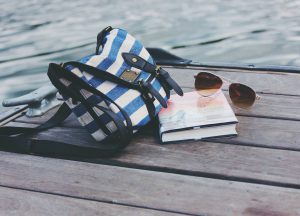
[62,113]
[149,89]
[144,89]
[16,139]
[22,144]
[101,74]
[124,132]
[55,72]
[122,136]
[140,63]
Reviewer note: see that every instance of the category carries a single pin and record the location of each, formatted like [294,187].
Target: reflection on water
[34,33]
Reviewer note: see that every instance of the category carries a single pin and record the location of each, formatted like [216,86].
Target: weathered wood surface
[11,112]
[218,160]
[24,202]
[253,131]
[148,189]
[270,106]
[256,173]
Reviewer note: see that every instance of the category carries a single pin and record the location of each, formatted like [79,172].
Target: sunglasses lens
[241,95]
[207,84]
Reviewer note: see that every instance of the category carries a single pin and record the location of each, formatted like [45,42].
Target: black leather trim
[100,37]
[140,63]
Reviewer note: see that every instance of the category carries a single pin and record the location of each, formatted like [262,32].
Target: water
[36,32]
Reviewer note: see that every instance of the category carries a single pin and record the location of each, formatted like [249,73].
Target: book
[194,117]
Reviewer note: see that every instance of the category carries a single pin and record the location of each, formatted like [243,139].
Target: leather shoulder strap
[15,139]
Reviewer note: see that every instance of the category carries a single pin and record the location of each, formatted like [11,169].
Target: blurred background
[36,32]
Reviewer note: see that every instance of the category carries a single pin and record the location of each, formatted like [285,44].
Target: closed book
[194,117]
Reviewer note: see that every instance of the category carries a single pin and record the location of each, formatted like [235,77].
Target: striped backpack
[114,91]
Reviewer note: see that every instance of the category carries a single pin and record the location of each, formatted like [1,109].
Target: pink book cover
[194,110]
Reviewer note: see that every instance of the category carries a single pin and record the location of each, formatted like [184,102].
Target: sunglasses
[208,84]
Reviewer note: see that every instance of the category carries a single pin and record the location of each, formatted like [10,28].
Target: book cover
[207,116]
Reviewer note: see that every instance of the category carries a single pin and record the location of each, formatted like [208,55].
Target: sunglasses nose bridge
[226,82]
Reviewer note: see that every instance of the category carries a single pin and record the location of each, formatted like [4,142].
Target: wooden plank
[11,118]
[253,131]
[266,82]
[164,191]
[257,164]
[250,68]
[9,112]
[12,113]
[275,106]
[22,202]
[215,160]
[263,165]
[269,106]
[263,132]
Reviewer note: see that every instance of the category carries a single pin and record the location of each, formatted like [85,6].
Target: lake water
[36,32]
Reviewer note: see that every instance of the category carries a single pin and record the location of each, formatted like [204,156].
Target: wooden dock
[256,173]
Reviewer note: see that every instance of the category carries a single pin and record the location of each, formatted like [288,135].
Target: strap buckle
[157,69]
[141,83]
[146,92]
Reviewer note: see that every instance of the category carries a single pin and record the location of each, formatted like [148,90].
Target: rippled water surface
[36,32]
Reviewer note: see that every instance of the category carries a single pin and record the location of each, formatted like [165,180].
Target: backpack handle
[100,38]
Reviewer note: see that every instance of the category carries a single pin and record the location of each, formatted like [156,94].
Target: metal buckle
[157,71]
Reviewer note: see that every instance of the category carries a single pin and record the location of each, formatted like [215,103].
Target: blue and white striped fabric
[116,42]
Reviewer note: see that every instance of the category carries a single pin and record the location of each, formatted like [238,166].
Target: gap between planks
[269,106]
[258,132]
[19,201]
[147,189]
[267,166]
[276,83]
